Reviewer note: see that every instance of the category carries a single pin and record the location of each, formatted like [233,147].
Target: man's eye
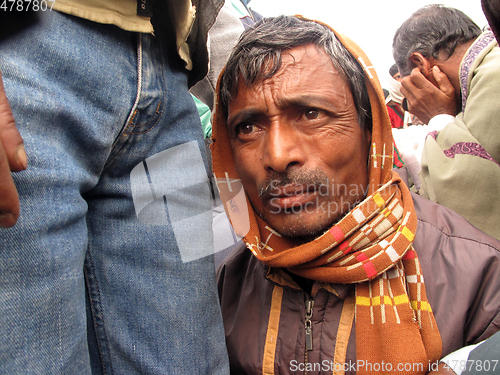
[245,129]
[311,114]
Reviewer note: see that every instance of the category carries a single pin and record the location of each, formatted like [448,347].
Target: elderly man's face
[298,146]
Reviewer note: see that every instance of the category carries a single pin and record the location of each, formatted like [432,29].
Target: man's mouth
[292,196]
[294,190]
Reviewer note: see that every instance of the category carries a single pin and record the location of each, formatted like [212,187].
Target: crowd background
[372,29]
[372,24]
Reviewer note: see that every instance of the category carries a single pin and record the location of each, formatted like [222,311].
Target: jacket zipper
[308,331]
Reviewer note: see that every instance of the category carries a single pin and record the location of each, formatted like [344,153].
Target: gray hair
[431,31]
[257,56]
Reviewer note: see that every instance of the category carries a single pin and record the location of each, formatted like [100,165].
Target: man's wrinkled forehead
[291,63]
[295,64]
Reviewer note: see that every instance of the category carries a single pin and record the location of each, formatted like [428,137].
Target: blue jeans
[110,267]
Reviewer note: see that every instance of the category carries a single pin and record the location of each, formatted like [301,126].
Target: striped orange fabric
[272,332]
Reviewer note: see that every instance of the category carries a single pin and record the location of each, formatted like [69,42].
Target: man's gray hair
[432,30]
[257,56]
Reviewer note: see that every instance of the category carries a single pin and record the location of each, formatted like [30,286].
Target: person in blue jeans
[109,268]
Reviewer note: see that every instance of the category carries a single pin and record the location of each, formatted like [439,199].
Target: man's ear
[420,62]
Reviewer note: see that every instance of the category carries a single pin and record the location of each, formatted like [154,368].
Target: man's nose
[283,149]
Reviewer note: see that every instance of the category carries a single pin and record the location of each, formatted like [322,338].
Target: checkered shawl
[370,247]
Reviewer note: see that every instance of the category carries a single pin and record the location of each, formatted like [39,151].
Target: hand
[426,100]
[12,159]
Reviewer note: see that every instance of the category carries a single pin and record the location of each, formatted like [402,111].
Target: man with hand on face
[484,357]
[452,82]
[330,274]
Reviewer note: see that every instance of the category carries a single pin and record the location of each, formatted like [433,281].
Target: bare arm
[12,159]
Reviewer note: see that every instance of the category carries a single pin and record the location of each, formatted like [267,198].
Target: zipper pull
[308,324]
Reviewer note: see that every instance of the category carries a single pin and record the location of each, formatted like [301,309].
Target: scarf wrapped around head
[370,247]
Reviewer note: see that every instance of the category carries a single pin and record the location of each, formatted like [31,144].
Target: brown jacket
[264,309]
